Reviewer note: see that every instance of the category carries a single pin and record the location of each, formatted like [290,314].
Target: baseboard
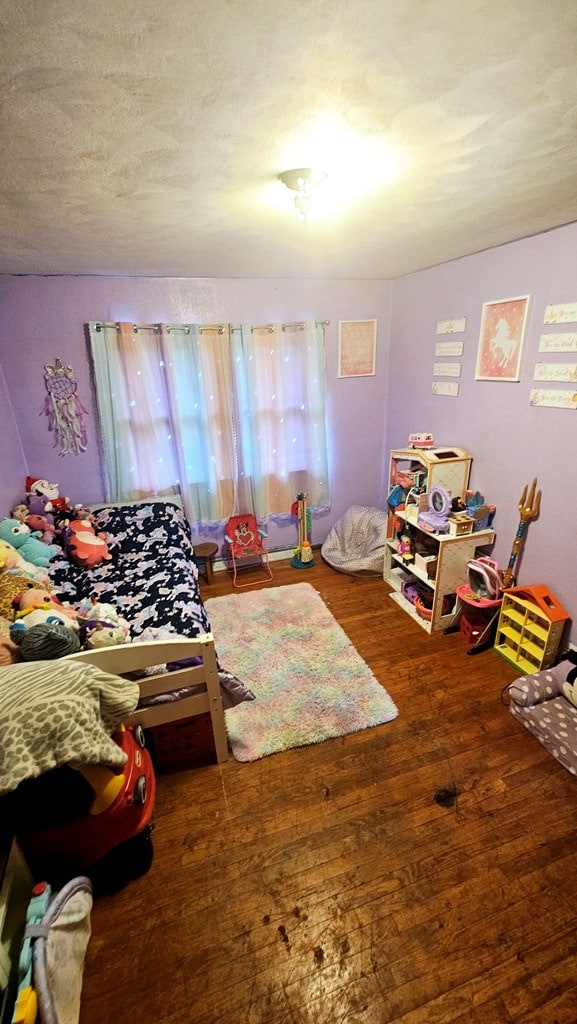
[220,564]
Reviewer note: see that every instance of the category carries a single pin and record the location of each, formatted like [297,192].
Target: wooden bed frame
[126,659]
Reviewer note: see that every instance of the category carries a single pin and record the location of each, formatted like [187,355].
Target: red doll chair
[245,540]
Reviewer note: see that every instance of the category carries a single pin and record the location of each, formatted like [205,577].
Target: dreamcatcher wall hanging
[64,409]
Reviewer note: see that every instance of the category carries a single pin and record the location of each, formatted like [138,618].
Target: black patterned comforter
[151,579]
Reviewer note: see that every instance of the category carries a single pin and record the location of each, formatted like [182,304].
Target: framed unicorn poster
[501,339]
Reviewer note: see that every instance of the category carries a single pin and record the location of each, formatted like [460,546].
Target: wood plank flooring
[425,870]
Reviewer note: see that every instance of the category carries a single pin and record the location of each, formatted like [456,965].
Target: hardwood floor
[425,870]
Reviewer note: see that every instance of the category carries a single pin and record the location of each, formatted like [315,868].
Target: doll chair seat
[247,548]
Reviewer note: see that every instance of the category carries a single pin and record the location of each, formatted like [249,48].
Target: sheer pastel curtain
[233,418]
[200,397]
[280,393]
[130,377]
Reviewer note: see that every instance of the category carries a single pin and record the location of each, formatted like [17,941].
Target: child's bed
[152,580]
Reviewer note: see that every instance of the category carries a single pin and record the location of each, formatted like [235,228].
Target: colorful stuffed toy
[29,547]
[34,607]
[20,512]
[101,634]
[101,625]
[83,545]
[41,527]
[16,564]
[38,616]
[35,598]
[37,487]
[46,641]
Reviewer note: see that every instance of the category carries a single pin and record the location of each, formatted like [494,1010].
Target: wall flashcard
[553,399]
[456,326]
[449,348]
[566,372]
[447,369]
[445,387]
[558,343]
[563,313]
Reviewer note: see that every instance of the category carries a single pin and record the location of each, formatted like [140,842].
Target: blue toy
[28,546]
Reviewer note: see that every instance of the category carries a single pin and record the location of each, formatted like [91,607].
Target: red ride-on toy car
[121,810]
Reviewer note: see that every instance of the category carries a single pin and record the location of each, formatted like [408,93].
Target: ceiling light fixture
[303,181]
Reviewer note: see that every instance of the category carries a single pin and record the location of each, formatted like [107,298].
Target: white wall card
[449,348]
[558,343]
[562,313]
[456,326]
[566,372]
[447,369]
[445,387]
[553,399]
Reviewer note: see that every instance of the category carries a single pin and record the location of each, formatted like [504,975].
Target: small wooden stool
[204,553]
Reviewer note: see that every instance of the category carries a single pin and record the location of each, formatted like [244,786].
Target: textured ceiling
[145,137]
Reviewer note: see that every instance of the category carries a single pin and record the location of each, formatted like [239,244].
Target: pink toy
[41,528]
[83,546]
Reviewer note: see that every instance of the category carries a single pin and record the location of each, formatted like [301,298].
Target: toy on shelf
[421,440]
[435,519]
[303,555]
[529,509]
[478,510]
[407,549]
[482,597]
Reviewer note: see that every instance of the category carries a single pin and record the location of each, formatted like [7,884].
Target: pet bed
[152,581]
[356,543]
[541,704]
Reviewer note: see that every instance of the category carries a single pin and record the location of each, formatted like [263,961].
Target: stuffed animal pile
[34,624]
[43,627]
[44,524]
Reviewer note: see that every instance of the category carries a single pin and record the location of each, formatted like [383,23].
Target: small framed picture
[501,339]
[357,348]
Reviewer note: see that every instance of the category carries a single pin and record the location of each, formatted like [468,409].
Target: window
[232,417]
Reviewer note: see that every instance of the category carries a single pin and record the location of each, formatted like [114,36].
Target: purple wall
[44,317]
[510,441]
[12,460]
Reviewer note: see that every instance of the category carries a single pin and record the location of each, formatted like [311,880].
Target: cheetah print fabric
[57,712]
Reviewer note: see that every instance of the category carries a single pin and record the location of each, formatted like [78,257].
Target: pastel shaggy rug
[309,681]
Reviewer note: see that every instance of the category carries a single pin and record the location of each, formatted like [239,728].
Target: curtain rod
[135,327]
[219,328]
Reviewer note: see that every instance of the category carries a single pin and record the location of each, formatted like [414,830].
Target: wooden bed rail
[126,659]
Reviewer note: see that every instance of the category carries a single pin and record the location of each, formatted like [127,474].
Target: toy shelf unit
[440,565]
[530,628]
[418,470]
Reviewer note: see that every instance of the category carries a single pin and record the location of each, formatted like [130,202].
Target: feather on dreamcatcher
[64,409]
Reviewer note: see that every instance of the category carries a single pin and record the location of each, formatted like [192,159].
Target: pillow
[534,689]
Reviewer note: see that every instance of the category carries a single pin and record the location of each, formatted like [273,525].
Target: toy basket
[427,613]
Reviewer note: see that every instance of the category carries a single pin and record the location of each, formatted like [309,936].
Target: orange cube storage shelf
[530,628]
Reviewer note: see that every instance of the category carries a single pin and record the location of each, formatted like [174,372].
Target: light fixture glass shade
[303,181]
